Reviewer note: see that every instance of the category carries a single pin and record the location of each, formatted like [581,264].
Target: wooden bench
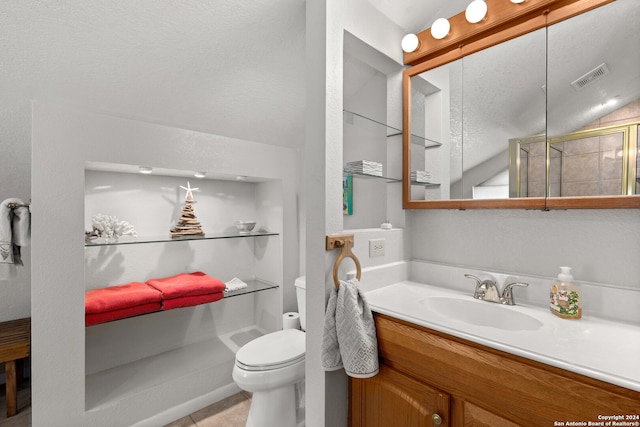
[15,344]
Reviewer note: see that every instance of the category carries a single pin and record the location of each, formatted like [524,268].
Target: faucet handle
[480,291]
[471,276]
[507,292]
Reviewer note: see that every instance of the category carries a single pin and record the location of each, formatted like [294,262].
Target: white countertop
[590,346]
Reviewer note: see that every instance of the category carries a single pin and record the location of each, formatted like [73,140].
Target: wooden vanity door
[478,417]
[394,399]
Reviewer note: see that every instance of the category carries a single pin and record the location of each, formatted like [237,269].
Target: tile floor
[230,412]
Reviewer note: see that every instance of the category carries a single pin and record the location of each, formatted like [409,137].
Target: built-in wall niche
[193,346]
[371,135]
[153,202]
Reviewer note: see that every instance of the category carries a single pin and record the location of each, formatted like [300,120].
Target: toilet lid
[272,351]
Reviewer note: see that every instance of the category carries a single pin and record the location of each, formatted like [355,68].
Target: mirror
[496,123]
[436,158]
[593,90]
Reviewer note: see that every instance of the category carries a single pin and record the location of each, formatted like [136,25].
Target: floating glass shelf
[426,184]
[253,285]
[367,176]
[362,121]
[128,240]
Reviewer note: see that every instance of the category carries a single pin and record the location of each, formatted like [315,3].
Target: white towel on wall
[15,233]
[349,339]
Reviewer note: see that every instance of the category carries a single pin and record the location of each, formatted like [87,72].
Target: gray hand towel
[15,232]
[330,350]
[355,333]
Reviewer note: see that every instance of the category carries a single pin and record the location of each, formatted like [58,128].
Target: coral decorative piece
[108,228]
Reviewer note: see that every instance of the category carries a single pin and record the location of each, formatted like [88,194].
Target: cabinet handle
[437,419]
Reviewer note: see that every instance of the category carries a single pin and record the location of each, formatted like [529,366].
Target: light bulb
[476,11]
[410,43]
[440,28]
[199,174]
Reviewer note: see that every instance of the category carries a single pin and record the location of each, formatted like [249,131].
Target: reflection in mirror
[527,161]
[503,97]
[474,106]
[436,130]
[593,84]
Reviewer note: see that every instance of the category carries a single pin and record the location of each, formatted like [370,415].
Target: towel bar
[17,205]
[344,242]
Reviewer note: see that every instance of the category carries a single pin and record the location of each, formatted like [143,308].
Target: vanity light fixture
[199,174]
[145,169]
[476,11]
[440,28]
[410,43]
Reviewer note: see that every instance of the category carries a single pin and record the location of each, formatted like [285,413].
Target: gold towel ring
[344,243]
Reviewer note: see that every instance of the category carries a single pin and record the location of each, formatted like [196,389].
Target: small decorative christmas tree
[188,224]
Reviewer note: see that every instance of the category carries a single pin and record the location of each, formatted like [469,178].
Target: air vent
[592,76]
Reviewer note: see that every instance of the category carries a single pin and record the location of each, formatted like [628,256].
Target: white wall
[602,246]
[327,22]
[63,140]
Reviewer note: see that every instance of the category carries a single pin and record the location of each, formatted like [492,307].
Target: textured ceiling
[225,67]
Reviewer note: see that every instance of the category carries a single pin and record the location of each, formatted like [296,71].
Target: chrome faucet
[487,290]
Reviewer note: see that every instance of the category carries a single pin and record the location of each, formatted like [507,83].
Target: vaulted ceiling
[213,66]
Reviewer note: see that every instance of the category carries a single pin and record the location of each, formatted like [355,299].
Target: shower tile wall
[585,167]
[591,166]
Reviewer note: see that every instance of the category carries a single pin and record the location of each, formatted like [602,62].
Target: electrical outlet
[376,247]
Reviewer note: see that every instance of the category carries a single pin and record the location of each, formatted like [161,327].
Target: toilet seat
[272,351]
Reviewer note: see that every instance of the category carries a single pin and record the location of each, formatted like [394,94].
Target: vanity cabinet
[393,398]
[468,384]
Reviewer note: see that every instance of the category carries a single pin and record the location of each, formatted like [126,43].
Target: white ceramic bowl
[245,227]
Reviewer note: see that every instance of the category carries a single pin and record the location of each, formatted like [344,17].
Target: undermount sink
[482,313]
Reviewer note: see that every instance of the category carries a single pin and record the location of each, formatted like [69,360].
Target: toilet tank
[301,289]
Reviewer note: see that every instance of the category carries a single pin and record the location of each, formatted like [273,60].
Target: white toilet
[272,368]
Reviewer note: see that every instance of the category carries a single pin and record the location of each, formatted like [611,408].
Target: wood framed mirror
[475,102]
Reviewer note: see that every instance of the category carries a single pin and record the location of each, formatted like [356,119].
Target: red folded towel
[119,297]
[188,301]
[108,316]
[117,302]
[186,284]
